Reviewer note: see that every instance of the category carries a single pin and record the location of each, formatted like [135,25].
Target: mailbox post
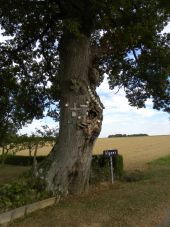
[111,154]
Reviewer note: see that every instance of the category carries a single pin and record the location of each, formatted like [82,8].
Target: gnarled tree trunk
[67,168]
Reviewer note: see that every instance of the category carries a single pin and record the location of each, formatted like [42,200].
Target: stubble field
[136,151]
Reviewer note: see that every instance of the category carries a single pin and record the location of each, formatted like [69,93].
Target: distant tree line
[12,143]
[125,135]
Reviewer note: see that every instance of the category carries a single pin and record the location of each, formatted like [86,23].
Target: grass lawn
[10,173]
[141,202]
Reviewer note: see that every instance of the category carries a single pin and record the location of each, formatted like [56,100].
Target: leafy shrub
[118,166]
[100,168]
[25,190]
[20,160]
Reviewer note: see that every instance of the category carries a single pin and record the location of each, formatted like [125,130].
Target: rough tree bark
[67,168]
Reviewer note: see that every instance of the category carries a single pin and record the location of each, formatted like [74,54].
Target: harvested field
[136,151]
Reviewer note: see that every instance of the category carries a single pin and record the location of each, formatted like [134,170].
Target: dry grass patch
[135,204]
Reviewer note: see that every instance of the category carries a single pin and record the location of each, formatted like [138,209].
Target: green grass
[10,173]
[163,161]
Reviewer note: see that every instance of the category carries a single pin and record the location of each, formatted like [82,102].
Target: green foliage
[13,143]
[20,160]
[26,190]
[72,26]
[99,161]
[8,144]
[100,169]
[163,161]
[32,143]
[118,166]
[131,50]
[7,133]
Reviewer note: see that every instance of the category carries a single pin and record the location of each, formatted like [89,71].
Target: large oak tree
[58,53]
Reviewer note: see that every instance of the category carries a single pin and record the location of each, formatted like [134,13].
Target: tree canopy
[126,42]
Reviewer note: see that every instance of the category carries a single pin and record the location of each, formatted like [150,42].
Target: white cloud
[37,124]
[119,103]
[120,117]
[128,123]
[166,29]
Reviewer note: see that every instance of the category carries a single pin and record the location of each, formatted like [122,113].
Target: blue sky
[119,116]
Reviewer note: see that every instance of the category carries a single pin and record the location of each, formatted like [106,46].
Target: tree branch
[100,51]
[135,56]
